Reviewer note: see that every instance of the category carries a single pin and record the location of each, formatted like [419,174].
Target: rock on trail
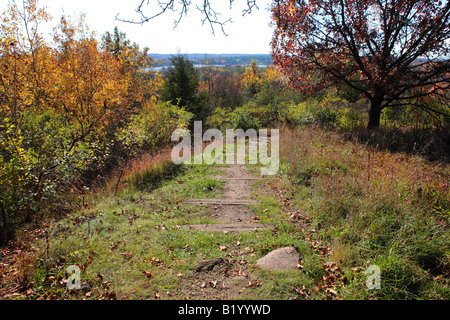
[286,258]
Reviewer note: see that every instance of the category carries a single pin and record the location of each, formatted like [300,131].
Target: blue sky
[249,34]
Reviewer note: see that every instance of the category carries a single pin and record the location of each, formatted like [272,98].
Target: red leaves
[319,43]
[253,284]
[303,291]
[108,295]
[332,280]
[330,284]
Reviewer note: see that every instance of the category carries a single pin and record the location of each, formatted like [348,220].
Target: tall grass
[146,172]
[376,208]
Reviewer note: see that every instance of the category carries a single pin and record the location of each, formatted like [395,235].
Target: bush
[22,189]
[328,112]
[153,126]
[241,118]
[220,119]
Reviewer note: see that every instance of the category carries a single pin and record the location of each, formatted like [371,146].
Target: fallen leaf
[148,274]
[303,291]
[253,284]
[126,254]
[332,291]
[223,248]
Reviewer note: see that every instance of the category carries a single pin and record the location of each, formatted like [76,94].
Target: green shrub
[241,118]
[330,111]
[17,177]
[153,126]
[220,119]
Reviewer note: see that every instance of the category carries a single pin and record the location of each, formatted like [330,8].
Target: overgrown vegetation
[344,206]
[373,207]
[70,112]
[86,176]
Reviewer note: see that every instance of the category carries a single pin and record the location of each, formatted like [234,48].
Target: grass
[372,209]
[342,205]
[129,244]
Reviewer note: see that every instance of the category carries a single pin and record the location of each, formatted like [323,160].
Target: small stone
[286,258]
[85,287]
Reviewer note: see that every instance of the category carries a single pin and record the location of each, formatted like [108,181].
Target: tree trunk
[375,114]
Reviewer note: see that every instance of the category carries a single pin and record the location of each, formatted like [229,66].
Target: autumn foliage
[76,107]
[69,111]
[392,52]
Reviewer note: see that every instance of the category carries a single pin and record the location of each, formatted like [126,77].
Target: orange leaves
[89,79]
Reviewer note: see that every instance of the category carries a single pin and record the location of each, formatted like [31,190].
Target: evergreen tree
[116,42]
[181,86]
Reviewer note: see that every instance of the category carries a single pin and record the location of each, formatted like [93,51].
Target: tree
[251,80]
[225,90]
[393,52]
[142,85]
[148,11]
[65,109]
[115,43]
[181,85]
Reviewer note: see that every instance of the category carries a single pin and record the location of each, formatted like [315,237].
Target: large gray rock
[286,258]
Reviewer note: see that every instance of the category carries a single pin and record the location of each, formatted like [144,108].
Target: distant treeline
[215,59]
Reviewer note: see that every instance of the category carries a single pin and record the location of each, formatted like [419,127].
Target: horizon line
[203,53]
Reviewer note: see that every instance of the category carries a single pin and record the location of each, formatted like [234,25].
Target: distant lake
[197,66]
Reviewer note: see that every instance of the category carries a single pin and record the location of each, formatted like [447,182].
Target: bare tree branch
[210,15]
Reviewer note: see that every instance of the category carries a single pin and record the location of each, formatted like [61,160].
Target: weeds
[340,218]
[386,209]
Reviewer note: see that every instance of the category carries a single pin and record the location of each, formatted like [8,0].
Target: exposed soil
[225,278]
[231,212]
[217,279]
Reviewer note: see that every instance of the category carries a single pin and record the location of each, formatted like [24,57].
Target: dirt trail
[225,278]
[231,213]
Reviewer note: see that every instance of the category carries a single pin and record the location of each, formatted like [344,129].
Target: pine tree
[181,86]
